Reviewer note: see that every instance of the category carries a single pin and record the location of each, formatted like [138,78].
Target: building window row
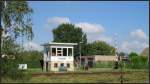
[62,51]
[61,64]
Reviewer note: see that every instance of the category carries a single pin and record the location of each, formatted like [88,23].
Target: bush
[32,58]
[102,64]
[10,69]
[137,62]
[33,64]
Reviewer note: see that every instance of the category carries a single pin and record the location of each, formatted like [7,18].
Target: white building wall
[62,58]
[58,59]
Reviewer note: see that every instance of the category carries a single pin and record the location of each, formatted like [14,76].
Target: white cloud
[86,27]
[138,42]
[32,46]
[57,20]
[133,46]
[138,34]
[90,28]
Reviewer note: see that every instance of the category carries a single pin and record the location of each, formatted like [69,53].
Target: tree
[68,33]
[122,54]
[32,58]
[137,61]
[11,59]
[16,18]
[101,48]
[133,54]
[16,22]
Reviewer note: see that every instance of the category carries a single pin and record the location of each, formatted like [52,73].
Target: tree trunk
[1,4]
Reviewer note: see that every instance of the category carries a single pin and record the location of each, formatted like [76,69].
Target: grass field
[96,75]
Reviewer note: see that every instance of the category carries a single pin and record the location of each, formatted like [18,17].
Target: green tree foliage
[9,47]
[32,58]
[68,33]
[32,55]
[137,61]
[122,54]
[133,54]
[100,48]
[15,16]
[11,59]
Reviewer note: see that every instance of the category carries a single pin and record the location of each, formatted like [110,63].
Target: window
[55,65]
[53,51]
[68,65]
[69,51]
[58,49]
[64,51]
[47,53]
[59,52]
[46,49]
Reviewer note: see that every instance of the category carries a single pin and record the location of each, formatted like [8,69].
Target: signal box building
[59,56]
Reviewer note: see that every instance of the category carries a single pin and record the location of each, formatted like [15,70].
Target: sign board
[62,58]
[22,66]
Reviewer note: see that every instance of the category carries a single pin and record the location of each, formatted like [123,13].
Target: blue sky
[99,20]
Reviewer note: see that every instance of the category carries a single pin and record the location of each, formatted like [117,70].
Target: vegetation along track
[76,73]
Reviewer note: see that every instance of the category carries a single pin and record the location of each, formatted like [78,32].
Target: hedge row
[33,64]
[101,64]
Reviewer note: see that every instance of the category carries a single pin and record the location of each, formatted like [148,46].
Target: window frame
[55,65]
[63,51]
[52,51]
[70,52]
[68,64]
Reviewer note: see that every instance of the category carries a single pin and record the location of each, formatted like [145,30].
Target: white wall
[62,58]
[105,58]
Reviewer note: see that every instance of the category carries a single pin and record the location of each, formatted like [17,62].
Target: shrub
[137,62]
[10,69]
[33,64]
[102,64]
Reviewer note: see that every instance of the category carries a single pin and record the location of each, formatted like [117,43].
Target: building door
[62,64]
[90,63]
[62,67]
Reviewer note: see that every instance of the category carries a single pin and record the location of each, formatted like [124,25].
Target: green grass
[39,70]
[131,76]
[34,70]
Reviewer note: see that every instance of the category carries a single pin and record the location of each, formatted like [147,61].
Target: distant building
[145,52]
[58,56]
[90,60]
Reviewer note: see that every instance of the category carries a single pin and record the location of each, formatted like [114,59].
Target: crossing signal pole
[119,60]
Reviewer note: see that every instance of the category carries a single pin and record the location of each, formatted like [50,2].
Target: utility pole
[115,35]
[80,50]
[118,59]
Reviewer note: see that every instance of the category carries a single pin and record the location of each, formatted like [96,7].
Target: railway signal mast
[118,58]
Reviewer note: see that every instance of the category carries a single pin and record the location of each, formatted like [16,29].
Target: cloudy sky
[125,21]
